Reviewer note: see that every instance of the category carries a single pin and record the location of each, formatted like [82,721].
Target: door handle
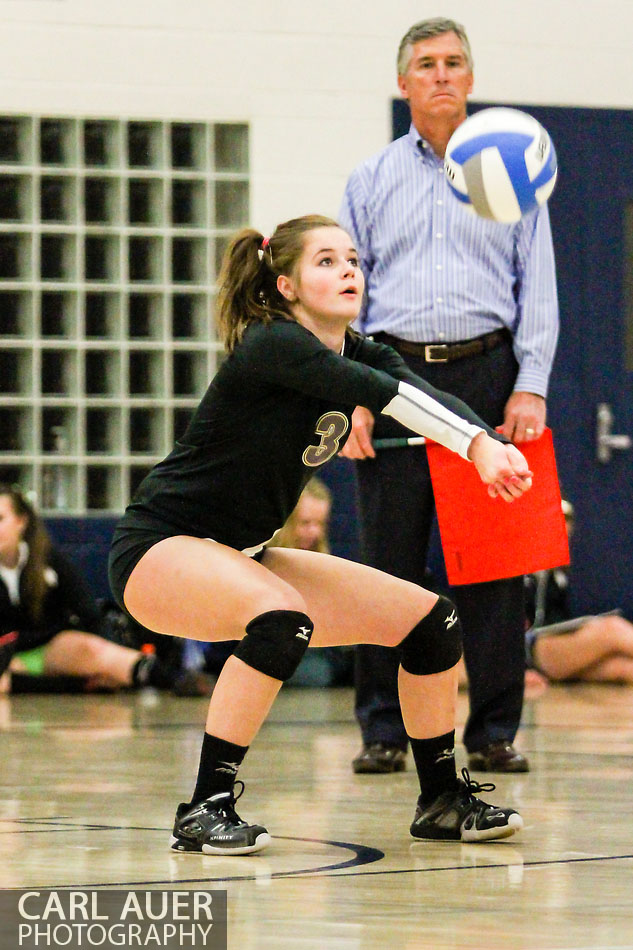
[606,441]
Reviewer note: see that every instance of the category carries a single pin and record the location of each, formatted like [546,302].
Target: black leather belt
[446,352]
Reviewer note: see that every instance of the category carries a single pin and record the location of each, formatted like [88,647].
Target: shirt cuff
[532,379]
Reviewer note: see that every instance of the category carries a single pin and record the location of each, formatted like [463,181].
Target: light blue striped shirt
[435,272]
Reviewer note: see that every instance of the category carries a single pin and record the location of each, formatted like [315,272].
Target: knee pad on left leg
[435,643]
[275,642]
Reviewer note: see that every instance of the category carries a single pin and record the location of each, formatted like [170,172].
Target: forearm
[427,416]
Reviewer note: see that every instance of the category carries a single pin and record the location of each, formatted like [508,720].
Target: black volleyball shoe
[457,815]
[214,827]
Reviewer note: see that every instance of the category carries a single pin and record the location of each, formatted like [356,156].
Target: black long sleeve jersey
[68,605]
[278,409]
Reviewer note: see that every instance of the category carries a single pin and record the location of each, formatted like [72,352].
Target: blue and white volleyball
[501,163]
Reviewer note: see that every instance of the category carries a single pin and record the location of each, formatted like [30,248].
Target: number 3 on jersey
[332,426]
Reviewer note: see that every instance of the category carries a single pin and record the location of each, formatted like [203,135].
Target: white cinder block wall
[314,80]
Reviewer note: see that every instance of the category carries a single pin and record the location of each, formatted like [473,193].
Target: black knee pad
[275,642]
[435,643]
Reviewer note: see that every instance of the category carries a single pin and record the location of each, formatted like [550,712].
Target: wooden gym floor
[90,784]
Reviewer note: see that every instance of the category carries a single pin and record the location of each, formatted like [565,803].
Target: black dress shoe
[380,757]
[498,757]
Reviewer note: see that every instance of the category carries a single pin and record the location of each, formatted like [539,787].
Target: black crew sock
[435,763]
[219,762]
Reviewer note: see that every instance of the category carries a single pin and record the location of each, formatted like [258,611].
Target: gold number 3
[332,426]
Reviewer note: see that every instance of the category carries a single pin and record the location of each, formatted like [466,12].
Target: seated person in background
[44,602]
[596,649]
[306,529]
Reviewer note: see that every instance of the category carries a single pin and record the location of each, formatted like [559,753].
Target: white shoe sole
[262,841]
[515,823]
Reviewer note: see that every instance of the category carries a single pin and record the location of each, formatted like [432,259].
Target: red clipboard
[486,538]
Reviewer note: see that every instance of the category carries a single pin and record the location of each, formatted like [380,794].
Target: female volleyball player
[187,558]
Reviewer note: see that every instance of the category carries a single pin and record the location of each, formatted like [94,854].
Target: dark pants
[397,511]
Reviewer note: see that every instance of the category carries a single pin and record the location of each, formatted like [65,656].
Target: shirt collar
[11,575]
[422,147]
[23,554]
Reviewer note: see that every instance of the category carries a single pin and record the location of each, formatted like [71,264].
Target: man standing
[471,305]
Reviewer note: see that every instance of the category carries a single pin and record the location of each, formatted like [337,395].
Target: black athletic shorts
[128,547]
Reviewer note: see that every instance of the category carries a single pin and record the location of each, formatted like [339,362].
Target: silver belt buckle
[435,359]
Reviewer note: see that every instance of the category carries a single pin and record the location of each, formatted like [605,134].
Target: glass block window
[111,233]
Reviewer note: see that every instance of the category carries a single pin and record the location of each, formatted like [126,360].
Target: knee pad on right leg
[435,643]
[275,642]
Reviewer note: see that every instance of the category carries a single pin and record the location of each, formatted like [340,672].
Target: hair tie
[260,251]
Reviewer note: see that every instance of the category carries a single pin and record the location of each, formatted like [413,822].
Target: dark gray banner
[80,919]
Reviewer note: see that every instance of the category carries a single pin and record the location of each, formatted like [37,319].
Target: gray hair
[424,30]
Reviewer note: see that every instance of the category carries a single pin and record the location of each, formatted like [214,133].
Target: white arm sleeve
[427,416]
